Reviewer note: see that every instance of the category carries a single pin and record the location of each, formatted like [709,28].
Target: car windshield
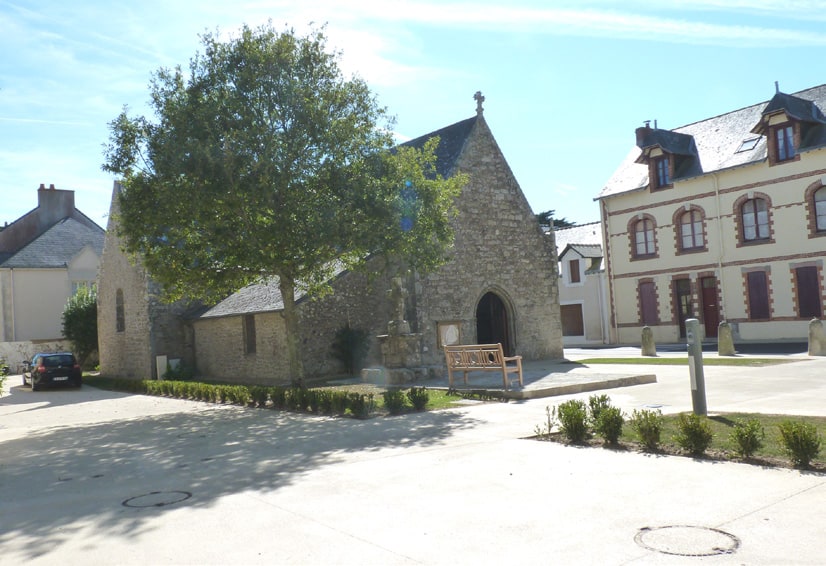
[61,360]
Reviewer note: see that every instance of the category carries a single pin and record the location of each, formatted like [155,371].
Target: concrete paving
[93,477]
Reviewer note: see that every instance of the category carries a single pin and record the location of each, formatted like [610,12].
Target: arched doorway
[492,324]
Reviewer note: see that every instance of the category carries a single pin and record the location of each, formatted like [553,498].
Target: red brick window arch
[642,230]
[689,223]
[753,214]
[815,199]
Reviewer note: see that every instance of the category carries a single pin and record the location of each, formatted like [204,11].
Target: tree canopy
[264,160]
[80,323]
[547,217]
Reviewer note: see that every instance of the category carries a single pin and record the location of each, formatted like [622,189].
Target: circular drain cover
[157,499]
[686,540]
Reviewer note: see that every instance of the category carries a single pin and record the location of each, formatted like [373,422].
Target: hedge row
[318,401]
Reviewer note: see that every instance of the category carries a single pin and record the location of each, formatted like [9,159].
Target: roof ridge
[750,106]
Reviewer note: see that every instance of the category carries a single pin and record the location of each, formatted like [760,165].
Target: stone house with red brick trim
[721,220]
[500,285]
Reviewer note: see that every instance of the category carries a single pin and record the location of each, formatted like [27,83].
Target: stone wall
[356,298]
[500,248]
[151,327]
[219,349]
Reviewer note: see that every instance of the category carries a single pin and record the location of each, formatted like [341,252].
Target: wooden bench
[481,357]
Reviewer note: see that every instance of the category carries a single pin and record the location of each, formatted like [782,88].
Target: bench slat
[481,357]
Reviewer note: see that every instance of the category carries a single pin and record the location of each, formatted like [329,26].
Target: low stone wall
[15,352]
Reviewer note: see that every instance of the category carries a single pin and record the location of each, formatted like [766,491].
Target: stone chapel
[500,285]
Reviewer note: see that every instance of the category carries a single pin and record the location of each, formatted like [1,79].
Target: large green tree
[264,160]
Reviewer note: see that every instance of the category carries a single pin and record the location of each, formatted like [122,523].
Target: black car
[53,368]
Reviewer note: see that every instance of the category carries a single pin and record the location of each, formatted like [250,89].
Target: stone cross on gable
[479,100]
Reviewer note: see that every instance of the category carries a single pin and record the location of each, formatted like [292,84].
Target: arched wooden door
[492,324]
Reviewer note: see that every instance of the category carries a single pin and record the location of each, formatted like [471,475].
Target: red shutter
[758,295]
[808,292]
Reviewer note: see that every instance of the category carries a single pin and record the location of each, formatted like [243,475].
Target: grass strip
[738,362]
[722,425]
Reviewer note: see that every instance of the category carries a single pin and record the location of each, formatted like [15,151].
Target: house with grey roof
[45,256]
[499,285]
[723,219]
[583,290]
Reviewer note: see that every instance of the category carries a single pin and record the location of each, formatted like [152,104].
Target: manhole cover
[687,540]
[157,499]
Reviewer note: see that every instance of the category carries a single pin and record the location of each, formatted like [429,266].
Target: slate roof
[585,234]
[718,140]
[56,246]
[266,297]
[452,140]
[255,298]
[585,250]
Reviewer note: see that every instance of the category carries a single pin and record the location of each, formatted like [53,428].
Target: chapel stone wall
[499,247]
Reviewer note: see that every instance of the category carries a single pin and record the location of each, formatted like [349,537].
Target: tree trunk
[287,287]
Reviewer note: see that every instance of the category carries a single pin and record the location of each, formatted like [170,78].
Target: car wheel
[35,386]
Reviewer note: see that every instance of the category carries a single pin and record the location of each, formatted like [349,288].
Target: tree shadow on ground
[57,478]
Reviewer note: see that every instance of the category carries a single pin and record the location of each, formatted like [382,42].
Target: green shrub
[361,405]
[340,401]
[693,433]
[297,399]
[259,395]
[418,397]
[596,404]
[180,373]
[314,400]
[278,396]
[608,424]
[325,402]
[242,394]
[747,437]
[80,323]
[4,372]
[801,441]
[648,426]
[573,420]
[394,401]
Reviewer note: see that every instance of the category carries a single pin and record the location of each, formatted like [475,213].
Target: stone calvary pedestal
[401,350]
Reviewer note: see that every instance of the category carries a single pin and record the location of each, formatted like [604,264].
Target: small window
[691,230]
[748,145]
[573,271]
[120,312]
[785,143]
[755,217]
[249,333]
[644,238]
[662,166]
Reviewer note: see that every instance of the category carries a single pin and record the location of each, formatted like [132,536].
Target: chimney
[54,204]
[642,133]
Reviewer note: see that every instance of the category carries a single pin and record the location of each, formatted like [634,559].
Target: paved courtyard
[94,477]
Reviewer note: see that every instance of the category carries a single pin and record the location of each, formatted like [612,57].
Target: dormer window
[662,166]
[668,154]
[785,143]
[789,124]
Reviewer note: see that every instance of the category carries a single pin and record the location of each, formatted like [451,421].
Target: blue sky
[566,82]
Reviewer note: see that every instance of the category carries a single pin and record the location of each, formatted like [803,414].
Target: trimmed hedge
[299,399]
